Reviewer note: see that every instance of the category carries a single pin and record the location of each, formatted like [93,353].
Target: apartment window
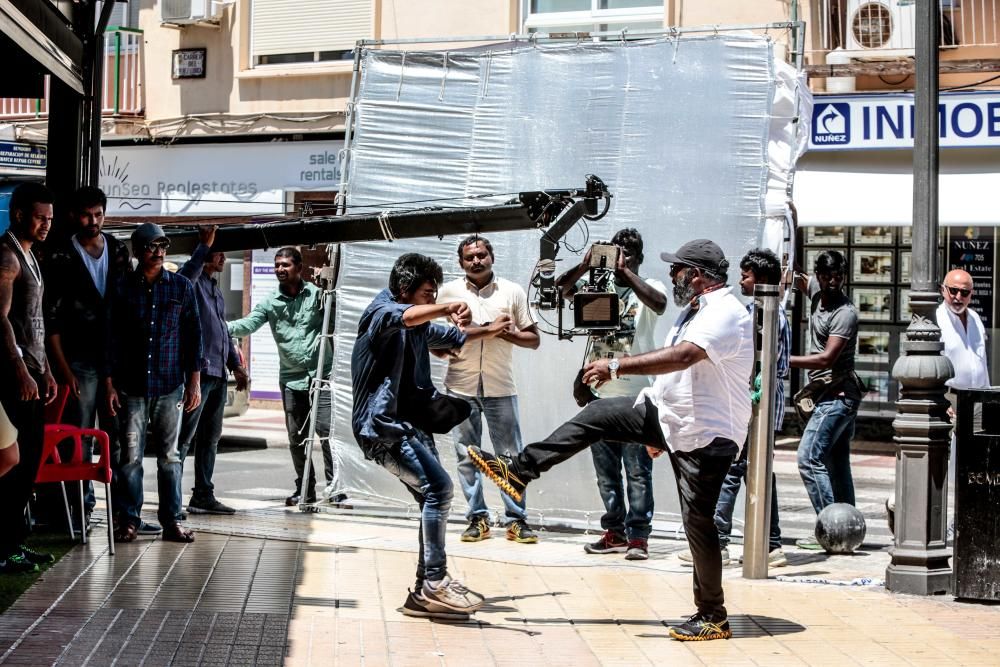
[592,15]
[123,15]
[307,31]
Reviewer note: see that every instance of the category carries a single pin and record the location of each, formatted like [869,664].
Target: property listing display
[878,282]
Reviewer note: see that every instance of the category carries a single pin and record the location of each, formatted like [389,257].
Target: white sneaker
[688,558]
[776,558]
[418,606]
[451,594]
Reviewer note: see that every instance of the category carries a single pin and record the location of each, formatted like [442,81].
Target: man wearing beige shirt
[481,372]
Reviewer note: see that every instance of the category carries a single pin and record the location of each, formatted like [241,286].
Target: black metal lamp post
[920,556]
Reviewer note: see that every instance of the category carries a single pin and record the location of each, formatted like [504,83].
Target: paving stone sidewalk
[273,586]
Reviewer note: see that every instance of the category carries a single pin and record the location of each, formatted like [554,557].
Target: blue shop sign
[17,155]
[855,122]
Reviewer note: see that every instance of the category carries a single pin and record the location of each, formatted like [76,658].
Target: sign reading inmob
[215,179]
[853,122]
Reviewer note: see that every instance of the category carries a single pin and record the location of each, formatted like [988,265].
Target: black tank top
[25,314]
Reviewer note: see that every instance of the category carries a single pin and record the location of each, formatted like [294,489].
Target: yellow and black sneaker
[478,530]
[500,470]
[519,531]
[699,629]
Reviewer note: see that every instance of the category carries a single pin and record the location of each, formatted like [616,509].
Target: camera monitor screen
[595,310]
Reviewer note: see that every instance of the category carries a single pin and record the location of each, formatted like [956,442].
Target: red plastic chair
[54,469]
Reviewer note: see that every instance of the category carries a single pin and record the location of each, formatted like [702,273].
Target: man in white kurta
[964,339]
[962,332]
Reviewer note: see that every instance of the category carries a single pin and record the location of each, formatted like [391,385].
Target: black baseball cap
[700,253]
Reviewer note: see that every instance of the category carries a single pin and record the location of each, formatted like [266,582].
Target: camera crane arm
[556,210]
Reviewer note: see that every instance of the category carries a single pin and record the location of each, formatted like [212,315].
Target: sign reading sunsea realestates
[852,122]
[215,179]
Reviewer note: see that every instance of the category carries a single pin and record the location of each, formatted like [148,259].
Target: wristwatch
[613,369]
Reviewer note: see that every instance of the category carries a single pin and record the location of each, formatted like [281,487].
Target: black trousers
[297,411]
[16,485]
[699,476]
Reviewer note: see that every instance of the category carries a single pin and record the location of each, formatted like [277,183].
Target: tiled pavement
[272,586]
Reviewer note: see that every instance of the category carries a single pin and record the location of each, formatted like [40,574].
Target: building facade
[236,109]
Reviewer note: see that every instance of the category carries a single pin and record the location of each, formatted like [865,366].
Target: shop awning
[828,198]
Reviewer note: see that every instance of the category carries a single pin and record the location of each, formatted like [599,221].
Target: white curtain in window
[280,26]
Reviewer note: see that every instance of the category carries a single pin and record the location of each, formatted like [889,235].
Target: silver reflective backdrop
[678,128]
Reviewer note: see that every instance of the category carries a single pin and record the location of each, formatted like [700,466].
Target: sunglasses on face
[954,291]
[162,244]
[677,268]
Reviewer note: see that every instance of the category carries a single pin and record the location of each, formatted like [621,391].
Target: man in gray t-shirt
[833,314]
[824,455]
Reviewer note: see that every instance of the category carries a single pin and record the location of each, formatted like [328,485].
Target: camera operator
[640,301]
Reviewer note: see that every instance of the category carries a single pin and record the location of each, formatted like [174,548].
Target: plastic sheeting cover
[678,129]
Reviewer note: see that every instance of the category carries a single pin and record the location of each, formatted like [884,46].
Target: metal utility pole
[920,555]
[757,527]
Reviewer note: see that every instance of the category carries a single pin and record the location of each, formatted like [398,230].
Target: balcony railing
[887,26]
[123,82]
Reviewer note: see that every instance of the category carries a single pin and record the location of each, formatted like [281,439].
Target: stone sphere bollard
[840,528]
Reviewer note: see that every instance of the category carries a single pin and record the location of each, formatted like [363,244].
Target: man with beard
[697,411]
[962,332]
[824,455]
[78,275]
[759,266]
[295,314]
[28,383]
[481,373]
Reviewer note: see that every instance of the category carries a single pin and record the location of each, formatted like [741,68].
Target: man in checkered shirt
[154,373]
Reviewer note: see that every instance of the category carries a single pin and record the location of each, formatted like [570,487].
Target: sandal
[126,533]
[177,533]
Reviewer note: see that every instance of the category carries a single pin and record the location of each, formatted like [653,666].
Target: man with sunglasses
[153,376]
[697,412]
[962,332]
[824,456]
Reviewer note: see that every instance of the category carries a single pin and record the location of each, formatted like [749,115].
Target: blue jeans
[609,457]
[162,416]
[727,503]
[415,462]
[825,453]
[82,412]
[505,433]
[202,427]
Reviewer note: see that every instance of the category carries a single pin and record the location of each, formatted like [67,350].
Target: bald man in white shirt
[962,332]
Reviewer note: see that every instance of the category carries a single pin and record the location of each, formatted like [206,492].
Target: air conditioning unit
[182,12]
[880,27]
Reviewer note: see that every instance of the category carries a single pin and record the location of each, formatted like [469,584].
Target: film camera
[595,306]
